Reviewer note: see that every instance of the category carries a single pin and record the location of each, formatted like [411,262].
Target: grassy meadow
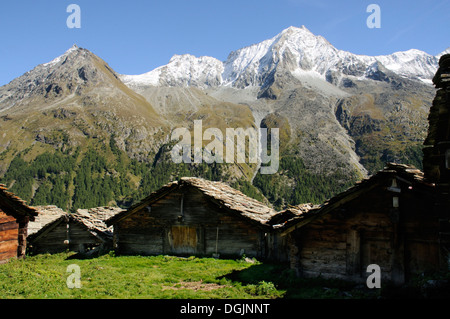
[159,277]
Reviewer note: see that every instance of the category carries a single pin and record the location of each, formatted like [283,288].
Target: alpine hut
[194,216]
[387,220]
[83,231]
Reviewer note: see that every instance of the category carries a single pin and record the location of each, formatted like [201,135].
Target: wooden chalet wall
[9,234]
[14,218]
[186,222]
[368,230]
[64,234]
[51,241]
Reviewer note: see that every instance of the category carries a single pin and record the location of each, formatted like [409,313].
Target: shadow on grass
[275,280]
[286,280]
[435,286]
[92,254]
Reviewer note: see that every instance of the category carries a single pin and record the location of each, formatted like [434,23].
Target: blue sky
[136,36]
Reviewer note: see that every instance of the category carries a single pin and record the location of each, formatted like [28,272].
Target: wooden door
[378,250]
[183,239]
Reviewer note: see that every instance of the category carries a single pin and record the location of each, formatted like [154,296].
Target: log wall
[368,230]
[12,237]
[185,222]
[64,236]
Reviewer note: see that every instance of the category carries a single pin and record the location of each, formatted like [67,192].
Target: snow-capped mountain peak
[182,70]
[295,49]
[63,56]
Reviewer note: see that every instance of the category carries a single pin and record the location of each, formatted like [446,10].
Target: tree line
[93,178]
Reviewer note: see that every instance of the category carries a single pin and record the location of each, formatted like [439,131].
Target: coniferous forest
[74,179]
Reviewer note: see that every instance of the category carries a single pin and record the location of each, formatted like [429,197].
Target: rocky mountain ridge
[340,115]
[295,49]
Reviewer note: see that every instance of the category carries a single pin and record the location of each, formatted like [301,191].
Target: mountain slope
[78,94]
[64,124]
[108,136]
[72,128]
[346,114]
[297,58]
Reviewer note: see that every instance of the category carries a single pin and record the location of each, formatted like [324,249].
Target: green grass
[157,277]
[45,276]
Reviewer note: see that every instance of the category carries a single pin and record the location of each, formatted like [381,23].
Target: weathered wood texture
[14,218]
[277,247]
[53,241]
[185,222]
[9,232]
[64,236]
[368,230]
